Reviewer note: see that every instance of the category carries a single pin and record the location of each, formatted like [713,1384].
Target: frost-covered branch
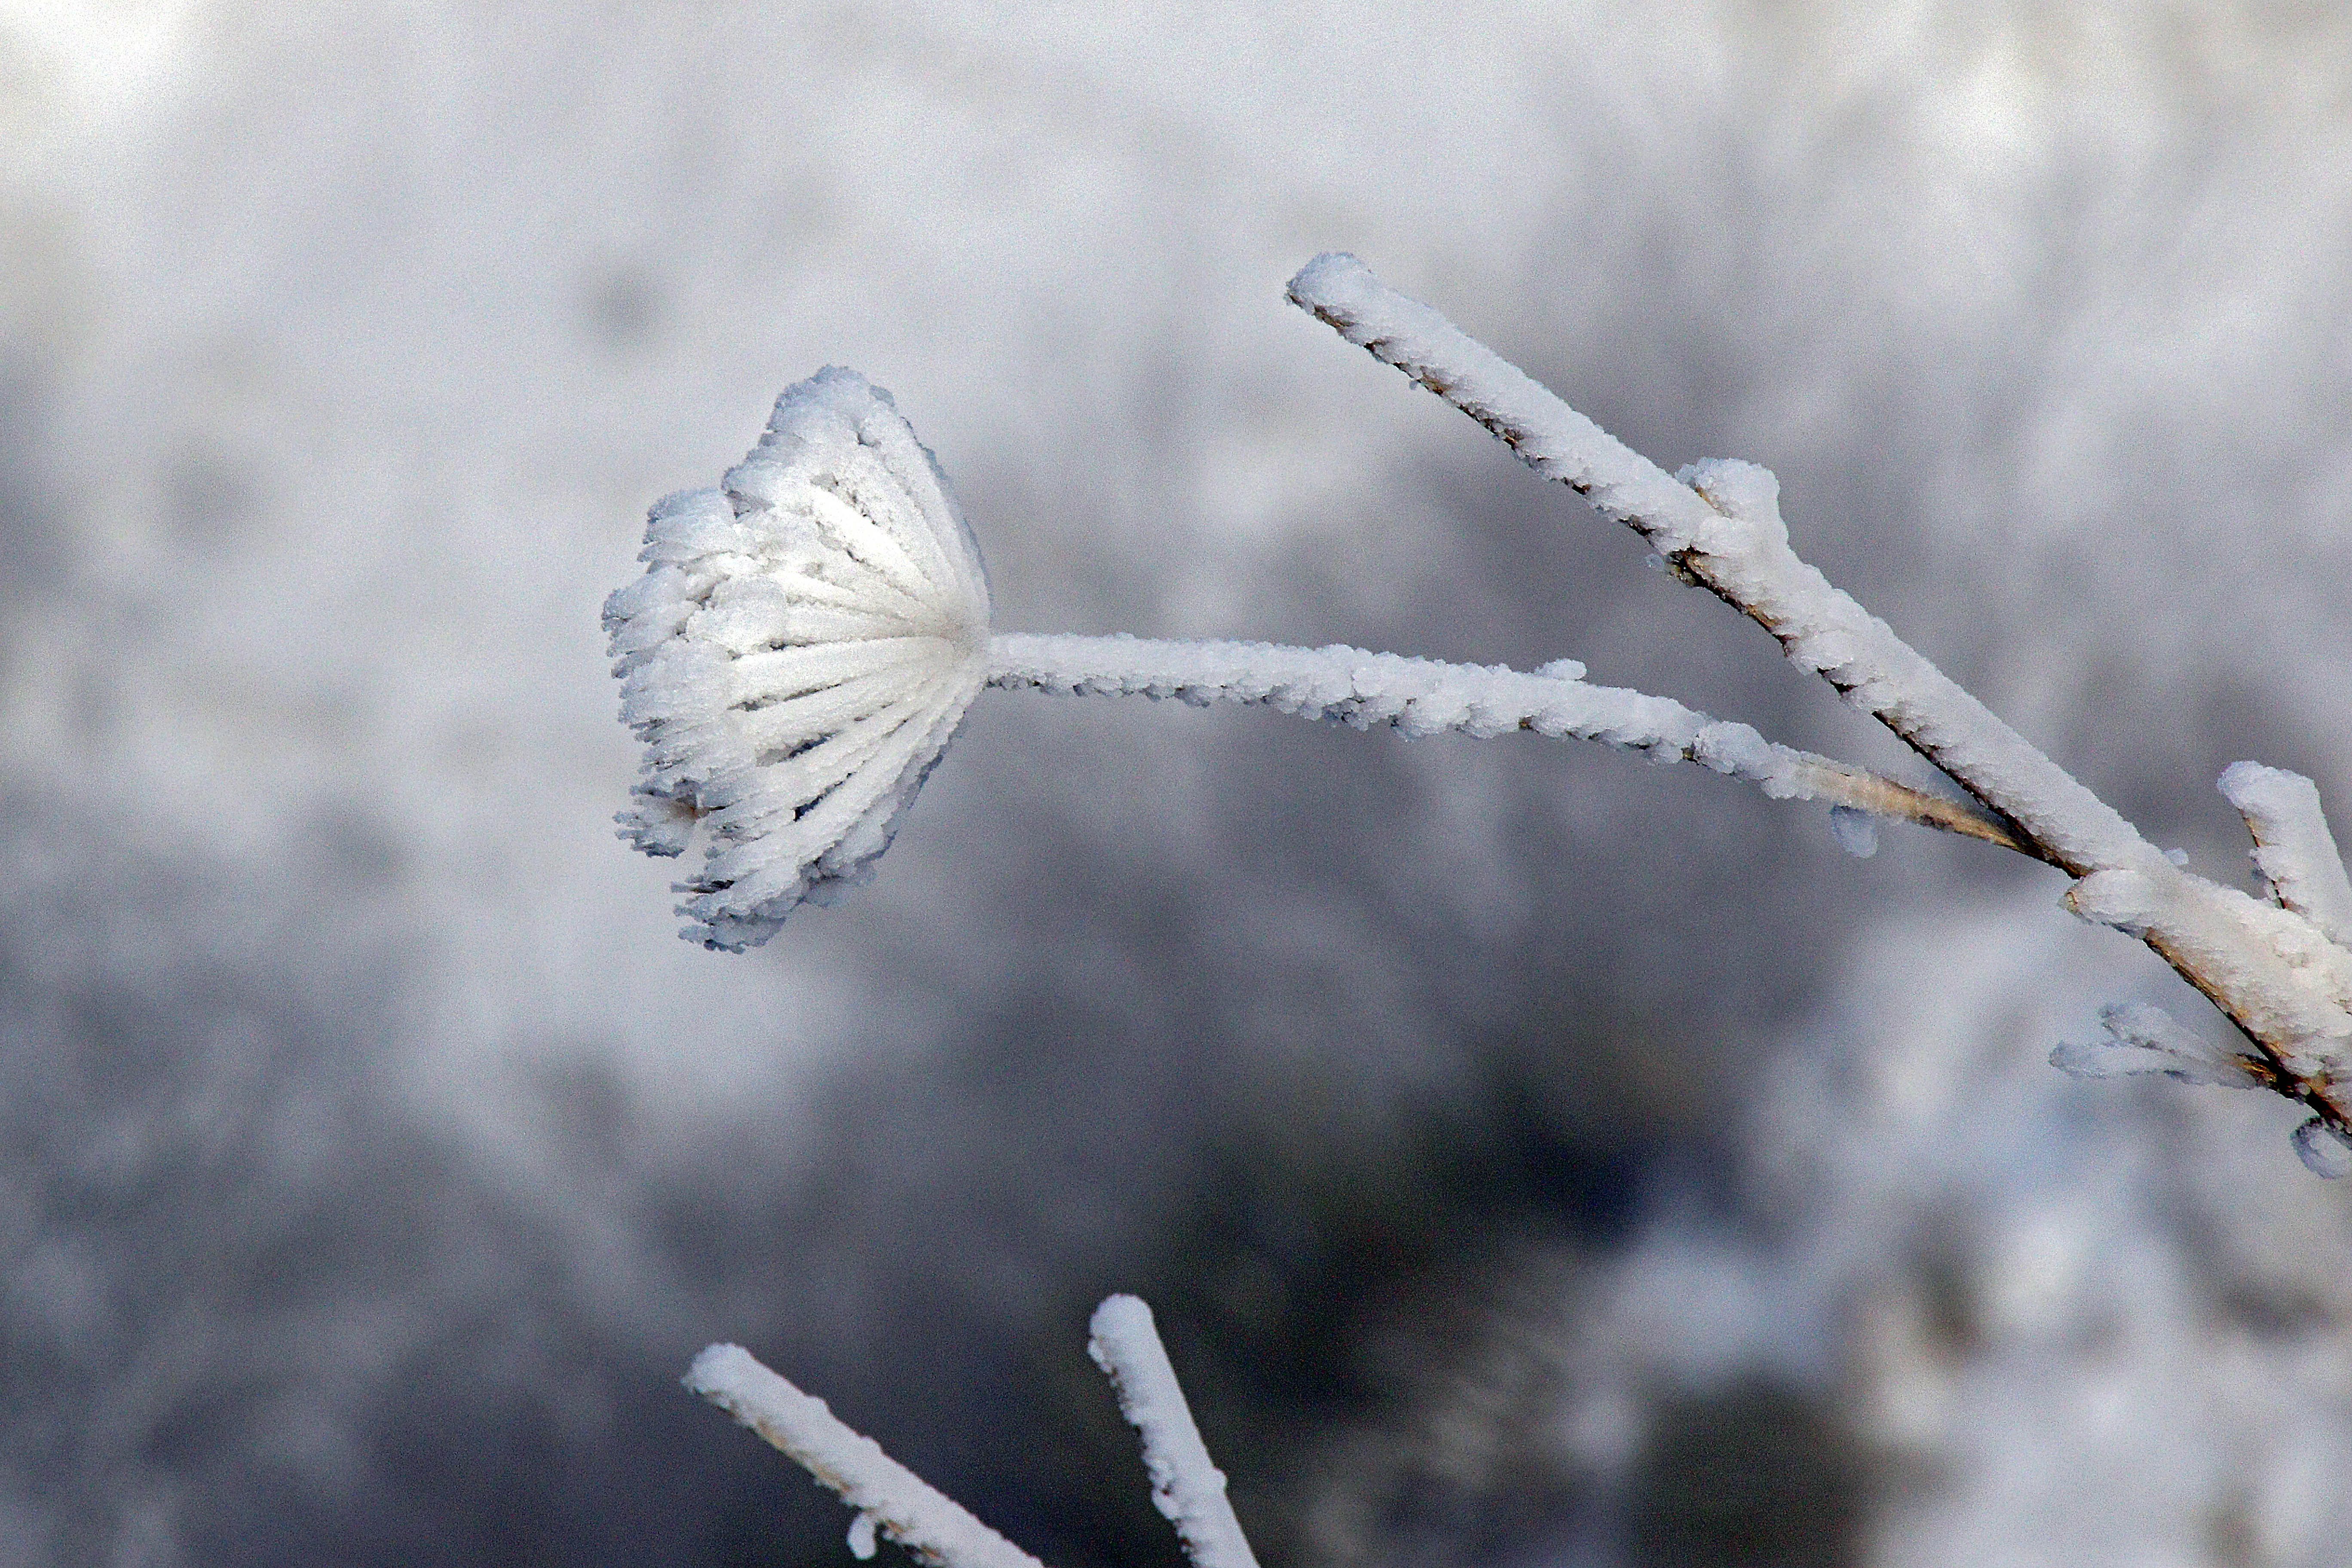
[2292,846]
[886,1494]
[806,639]
[1186,1483]
[1424,697]
[2282,972]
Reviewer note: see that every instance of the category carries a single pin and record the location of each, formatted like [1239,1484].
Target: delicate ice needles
[807,638]
[803,644]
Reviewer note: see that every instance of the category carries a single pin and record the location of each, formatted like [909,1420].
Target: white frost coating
[2276,973]
[1720,522]
[1188,1487]
[805,640]
[1854,832]
[2145,1039]
[934,1527]
[2271,970]
[801,646]
[2324,1150]
[1424,697]
[2292,845]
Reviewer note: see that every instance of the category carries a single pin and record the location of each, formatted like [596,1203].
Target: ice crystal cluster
[803,642]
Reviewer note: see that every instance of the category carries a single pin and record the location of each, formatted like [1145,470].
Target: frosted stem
[2292,845]
[2273,970]
[933,1526]
[1425,697]
[1744,560]
[1188,1487]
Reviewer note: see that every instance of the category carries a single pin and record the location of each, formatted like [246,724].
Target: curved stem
[1426,696]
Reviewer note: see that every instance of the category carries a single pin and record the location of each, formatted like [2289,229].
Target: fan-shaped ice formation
[800,648]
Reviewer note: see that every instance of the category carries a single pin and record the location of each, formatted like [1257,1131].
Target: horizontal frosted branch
[932,1525]
[1727,535]
[1186,1485]
[1425,697]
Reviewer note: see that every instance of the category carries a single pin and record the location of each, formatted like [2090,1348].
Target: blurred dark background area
[1532,1156]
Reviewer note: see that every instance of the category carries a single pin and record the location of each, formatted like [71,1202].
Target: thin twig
[1426,696]
[932,1525]
[1185,1484]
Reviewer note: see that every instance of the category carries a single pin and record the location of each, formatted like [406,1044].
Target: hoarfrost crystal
[802,647]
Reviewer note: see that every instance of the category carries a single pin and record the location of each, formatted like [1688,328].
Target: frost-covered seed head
[800,649]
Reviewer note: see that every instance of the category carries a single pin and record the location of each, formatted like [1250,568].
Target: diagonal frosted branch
[1734,543]
[1186,1485]
[2292,845]
[1425,697]
[932,1525]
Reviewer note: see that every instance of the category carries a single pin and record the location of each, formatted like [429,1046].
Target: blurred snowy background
[1533,1158]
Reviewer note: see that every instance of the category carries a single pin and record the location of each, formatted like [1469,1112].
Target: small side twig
[1186,1483]
[1188,1487]
[1425,697]
[934,1527]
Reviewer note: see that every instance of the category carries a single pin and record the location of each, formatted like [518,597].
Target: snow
[1854,832]
[2141,1039]
[1720,522]
[2018,356]
[883,1492]
[2324,1149]
[2276,971]
[1187,1487]
[2283,980]
[2292,846]
[805,642]
[1421,697]
[799,651]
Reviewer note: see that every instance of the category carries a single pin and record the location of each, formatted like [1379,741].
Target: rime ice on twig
[2145,1039]
[807,638]
[1188,1487]
[2282,974]
[933,1526]
[2292,846]
[1424,697]
[1719,522]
